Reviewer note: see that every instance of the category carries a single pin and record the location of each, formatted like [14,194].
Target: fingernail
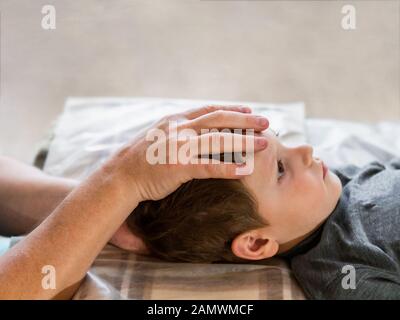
[241,164]
[262,121]
[262,142]
[245,109]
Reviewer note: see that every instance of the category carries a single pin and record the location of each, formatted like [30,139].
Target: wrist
[125,182]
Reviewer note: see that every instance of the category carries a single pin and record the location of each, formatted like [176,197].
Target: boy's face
[292,194]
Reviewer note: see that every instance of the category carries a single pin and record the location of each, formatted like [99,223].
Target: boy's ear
[254,245]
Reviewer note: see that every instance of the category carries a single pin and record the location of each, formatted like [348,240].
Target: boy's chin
[334,190]
[337,185]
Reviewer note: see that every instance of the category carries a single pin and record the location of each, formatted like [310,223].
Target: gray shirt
[355,254]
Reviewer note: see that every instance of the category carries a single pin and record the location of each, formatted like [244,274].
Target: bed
[90,129]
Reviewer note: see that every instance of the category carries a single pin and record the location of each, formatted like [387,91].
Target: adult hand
[156,181]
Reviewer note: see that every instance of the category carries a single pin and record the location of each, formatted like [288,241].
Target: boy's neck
[292,243]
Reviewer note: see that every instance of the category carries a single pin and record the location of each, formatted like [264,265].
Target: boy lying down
[338,229]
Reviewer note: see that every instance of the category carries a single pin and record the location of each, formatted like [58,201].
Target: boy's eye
[281,169]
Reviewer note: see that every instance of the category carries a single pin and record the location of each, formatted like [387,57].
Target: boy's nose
[306,153]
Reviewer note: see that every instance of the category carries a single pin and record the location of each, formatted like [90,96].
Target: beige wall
[246,50]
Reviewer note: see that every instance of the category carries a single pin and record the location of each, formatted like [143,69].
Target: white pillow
[340,142]
[90,129]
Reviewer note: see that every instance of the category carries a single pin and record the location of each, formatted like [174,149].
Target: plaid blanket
[118,274]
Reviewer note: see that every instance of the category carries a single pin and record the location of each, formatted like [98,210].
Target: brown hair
[197,222]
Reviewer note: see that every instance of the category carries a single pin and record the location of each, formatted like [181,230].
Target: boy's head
[284,200]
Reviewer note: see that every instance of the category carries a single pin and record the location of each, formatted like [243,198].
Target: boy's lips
[324,169]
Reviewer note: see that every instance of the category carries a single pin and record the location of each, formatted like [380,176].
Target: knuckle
[163,121]
[176,117]
[191,127]
[174,120]
[249,120]
[219,115]
[171,117]
[190,124]
[210,108]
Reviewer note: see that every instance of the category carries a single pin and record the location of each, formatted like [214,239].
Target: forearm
[70,238]
[28,196]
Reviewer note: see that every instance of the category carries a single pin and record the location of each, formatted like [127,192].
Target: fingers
[200,166]
[198,112]
[228,119]
[220,170]
[226,142]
